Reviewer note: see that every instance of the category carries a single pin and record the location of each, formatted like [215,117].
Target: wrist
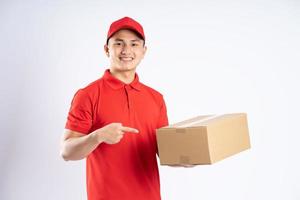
[97,136]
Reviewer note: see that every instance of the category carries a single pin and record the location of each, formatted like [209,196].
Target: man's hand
[113,133]
[76,146]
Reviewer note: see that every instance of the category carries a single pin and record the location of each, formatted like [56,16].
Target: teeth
[126,59]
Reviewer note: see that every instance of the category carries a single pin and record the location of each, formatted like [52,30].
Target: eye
[135,44]
[117,44]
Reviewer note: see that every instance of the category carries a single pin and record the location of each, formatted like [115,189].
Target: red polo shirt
[127,170]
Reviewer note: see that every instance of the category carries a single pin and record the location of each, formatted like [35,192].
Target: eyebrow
[121,40]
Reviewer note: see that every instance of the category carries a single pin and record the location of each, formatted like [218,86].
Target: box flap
[188,121]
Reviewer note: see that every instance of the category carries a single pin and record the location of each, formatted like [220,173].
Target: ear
[145,50]
[106,50]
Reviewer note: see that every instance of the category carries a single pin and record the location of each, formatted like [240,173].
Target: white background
[206,57]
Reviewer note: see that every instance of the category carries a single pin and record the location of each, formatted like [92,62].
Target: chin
[125,68]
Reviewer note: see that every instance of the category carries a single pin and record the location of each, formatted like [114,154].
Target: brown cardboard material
[203,139]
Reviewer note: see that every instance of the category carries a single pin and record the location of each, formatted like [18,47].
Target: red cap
[126,23]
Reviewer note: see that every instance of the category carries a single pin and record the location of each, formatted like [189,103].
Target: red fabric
[127,170]
[125,23]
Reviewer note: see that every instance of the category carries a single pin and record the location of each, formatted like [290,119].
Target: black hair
[137,33]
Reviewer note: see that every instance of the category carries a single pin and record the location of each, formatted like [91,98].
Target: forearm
[78,148]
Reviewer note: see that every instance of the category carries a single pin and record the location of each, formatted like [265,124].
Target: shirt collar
[116,84]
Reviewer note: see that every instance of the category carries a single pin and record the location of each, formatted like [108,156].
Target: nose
[126,49]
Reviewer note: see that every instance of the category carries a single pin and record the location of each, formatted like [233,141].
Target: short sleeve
[80,114]
[163,118]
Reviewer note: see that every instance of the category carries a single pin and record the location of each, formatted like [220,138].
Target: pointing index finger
[129,129]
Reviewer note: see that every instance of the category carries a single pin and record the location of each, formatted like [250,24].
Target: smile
[126,58]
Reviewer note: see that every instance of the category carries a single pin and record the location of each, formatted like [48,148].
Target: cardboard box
[203,139]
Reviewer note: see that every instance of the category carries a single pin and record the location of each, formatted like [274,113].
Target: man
[112,123]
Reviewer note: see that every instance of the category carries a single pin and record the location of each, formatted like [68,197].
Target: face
[125,50]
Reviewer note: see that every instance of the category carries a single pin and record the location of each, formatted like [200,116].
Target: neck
[124,76]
